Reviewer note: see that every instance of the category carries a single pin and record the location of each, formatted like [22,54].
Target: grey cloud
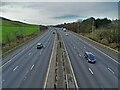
[55,12]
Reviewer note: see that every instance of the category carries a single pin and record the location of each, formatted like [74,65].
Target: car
[66,34]
[53,32]
[64,29]
[90,57]
[39,45]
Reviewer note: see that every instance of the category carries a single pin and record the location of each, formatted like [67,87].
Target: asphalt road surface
[102,74]
[28,68]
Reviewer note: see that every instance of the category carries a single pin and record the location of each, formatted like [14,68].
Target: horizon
[57,13]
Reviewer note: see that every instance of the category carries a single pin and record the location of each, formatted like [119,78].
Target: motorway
[28,68]
[102,74]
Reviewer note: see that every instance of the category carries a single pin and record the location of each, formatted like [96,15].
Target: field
[12,29]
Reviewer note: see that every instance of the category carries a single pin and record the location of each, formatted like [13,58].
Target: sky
[52,13]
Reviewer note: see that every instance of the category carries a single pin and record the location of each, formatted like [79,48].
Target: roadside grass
[11,30]
[96,35]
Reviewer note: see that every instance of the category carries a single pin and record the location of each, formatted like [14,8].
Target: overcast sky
[48,13]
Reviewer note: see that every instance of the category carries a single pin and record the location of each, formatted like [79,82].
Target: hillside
[12,29]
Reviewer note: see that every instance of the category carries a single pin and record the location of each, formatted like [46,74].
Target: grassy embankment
[16,33]
[102,37]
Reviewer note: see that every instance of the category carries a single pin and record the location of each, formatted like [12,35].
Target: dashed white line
[90,70]
[99,50]
[74,47]
[111,70]
[15,68]
[80,55]
[32,67]
[29,54]
[18,54]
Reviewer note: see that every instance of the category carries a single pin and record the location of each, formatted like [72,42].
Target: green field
[11,29]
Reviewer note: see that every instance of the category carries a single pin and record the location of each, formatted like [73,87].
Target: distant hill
[12,22]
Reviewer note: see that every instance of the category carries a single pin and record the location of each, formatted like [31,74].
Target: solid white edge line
[20,52]
[70,65]
[90,70]
[49,64]
[11,59]
[98,50]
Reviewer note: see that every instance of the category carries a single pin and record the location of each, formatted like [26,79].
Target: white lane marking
[15,68]
[21,52]
[74,46]
[84,47]
[80,55]
[32,67]
[107,55]
[90,70]
[29,53]
[99,51]
[11,59]
[49,64]
[111,70]
[71,66]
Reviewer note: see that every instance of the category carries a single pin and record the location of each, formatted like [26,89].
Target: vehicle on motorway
[53,32]
[66,34]
[90,57]
[64,29]
[39,45]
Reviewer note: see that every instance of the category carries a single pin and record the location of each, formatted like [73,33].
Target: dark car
[39,45]
[53,32]
[90,57]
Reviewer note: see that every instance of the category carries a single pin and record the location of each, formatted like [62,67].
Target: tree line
[103,30]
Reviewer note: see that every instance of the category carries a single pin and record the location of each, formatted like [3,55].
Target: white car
[39,45]
[66,34]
